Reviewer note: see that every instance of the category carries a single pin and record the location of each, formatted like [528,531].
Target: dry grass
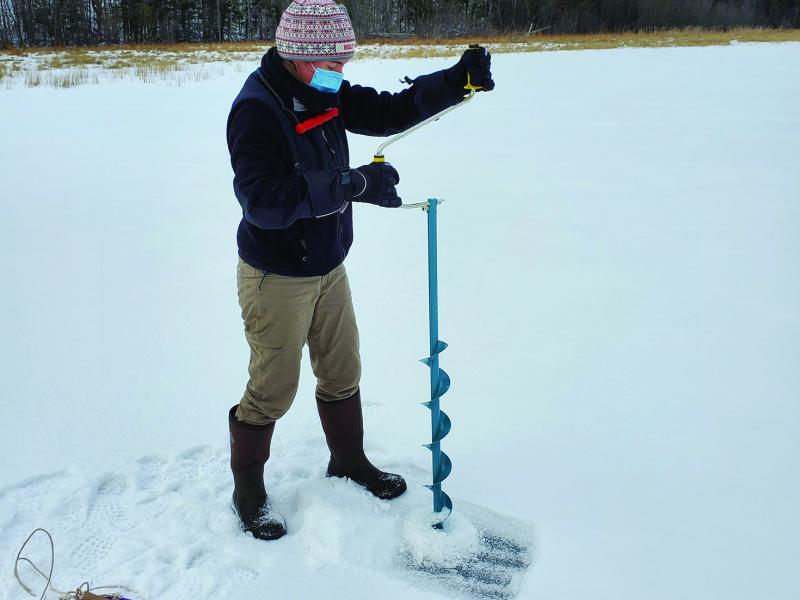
[600,41]
[67,67]
[71,77]
[32,78]
[691,36]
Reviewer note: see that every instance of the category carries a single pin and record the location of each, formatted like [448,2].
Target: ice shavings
[481,555]
[456,542]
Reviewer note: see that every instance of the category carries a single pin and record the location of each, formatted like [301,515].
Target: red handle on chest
[308,124]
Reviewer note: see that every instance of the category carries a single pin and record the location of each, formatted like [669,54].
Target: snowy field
[619,261]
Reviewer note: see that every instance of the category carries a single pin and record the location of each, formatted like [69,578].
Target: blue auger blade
[443,427]
[447,505]
[443,470]
[444,467]
[440,347]
[442,385]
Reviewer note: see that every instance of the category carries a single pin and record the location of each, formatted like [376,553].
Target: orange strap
[331,113]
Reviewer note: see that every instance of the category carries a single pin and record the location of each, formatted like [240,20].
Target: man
[292,177]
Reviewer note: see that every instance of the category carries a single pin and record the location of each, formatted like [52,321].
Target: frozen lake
[619,287]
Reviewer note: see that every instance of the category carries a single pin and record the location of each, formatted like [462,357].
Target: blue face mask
[326,81]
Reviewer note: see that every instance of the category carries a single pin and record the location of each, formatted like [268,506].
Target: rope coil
[82,592]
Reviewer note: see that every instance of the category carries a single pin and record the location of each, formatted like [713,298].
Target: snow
[618,289]
[457,540]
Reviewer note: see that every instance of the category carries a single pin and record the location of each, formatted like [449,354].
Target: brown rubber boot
[344,430]
[249,453]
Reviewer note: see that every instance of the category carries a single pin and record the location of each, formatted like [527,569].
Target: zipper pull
[327,143]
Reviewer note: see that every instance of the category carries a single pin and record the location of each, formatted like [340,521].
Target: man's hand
[476,62]
[374,183]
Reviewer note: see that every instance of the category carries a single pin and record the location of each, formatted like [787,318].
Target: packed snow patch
[477,554]
[164,526]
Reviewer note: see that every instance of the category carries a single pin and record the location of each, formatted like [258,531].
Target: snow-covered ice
[618,288]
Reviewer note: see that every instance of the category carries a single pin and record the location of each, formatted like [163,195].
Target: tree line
[27,23]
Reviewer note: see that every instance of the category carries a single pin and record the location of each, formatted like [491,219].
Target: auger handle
[379,156]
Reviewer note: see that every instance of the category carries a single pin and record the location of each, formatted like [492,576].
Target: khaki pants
[281,314]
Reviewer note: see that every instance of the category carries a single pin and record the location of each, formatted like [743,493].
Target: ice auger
[440,380]
[502,550]
[441,465]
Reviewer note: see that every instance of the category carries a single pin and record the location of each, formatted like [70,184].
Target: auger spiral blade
[438,349]
[439,387]
[442,428]
[443,469]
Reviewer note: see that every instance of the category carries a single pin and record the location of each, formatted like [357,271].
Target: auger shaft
[433,320]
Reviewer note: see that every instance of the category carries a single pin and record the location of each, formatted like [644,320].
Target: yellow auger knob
[469,85]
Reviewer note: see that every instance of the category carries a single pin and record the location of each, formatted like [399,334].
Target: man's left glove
[374,183]
[475,61]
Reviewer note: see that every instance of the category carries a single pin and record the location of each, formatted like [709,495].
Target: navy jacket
[293,188]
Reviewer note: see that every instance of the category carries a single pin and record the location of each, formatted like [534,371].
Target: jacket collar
[290,90]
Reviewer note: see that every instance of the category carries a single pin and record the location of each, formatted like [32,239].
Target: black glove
[475,61]
[374,183]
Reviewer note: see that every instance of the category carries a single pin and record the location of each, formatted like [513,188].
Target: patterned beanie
[315,30]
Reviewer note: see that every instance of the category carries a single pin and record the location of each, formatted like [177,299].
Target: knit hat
[315,30]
